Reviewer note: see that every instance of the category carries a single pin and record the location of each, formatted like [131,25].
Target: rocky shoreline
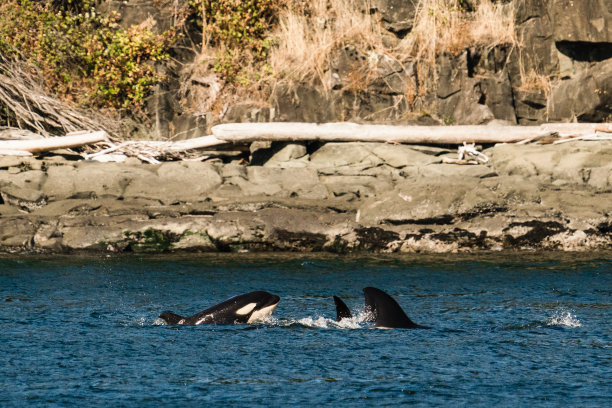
[334,197]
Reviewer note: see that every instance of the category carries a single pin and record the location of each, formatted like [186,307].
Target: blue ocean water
[509,330]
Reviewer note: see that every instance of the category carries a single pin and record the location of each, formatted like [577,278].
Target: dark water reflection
[507,330]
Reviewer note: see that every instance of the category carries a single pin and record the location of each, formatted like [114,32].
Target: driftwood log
[53,143]
[14,153]
[352,132]
[197,143]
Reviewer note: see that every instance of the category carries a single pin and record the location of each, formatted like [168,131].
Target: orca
[386,311]
[342,311]
[248,308]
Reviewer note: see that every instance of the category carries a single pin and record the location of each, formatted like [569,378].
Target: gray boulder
[584,20]
[397,15]
[586,97]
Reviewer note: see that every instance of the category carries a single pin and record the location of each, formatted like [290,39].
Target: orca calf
[248,308]
[387,312]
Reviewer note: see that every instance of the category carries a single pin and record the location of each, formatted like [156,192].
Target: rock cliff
[350,196]
[558,69]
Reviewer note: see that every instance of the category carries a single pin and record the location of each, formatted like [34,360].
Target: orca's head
[255,306]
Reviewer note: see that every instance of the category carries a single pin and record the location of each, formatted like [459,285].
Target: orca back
[237,309]
[387,312]
[171,318]
[342,311]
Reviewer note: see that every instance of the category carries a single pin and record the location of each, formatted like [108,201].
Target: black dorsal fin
[370,307]
[171,318]
[387,312]
[342,311]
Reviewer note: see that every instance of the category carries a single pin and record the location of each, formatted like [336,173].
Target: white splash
[565,319]
[319,322]
[352,323]
[325,323]
[267,320]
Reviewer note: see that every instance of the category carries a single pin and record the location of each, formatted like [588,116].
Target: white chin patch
[262,314]
[244,310]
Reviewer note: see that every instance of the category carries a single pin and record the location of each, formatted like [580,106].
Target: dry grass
[494,24]
[443,26]
[439,26]
[532,81]
[307,37]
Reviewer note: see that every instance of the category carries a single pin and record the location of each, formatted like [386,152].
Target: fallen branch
[576,129]
[150,151]
[589,137]
[22,94]
[53,143]
[540,139]
[450,160]
[467,154]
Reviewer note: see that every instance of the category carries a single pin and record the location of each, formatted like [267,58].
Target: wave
[560,318]
[309,322]
[563,319]
[355,322]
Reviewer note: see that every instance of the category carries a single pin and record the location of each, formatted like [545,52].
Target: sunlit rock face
[557,72]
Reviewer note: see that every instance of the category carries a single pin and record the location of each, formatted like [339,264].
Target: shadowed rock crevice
[605,228]
[483,210]
[462,238]
[530,233]
[441,220]
[299,241]
[585,52]
[374,239]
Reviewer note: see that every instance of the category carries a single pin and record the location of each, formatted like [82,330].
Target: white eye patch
[246,309]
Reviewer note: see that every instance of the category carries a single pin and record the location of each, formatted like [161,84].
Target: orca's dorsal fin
[172,318]
[370,306]
[387,312]
[342,311]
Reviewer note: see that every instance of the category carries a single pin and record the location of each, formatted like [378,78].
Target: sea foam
[564,319]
